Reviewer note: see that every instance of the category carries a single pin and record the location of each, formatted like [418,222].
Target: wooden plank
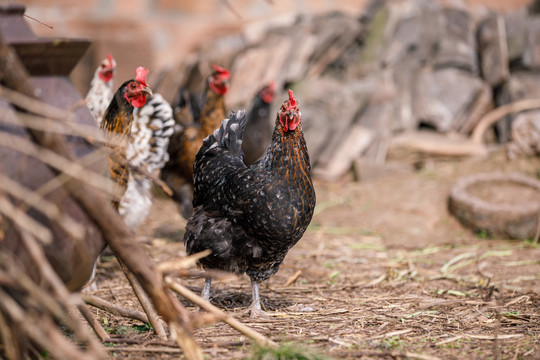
[357,140]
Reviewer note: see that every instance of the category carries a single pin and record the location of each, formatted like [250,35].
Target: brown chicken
[116,126]
[251,216]
[184,144]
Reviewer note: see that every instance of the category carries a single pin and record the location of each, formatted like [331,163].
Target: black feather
[249,216]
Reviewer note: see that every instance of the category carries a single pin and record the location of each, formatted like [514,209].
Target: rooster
[250,216]
[184,144]
[258,129]
[101,92]
[116,126]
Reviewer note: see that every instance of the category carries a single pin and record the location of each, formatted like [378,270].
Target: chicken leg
[205,294]
[255,308]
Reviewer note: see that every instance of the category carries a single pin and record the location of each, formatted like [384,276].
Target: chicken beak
[109,69]
[147,91]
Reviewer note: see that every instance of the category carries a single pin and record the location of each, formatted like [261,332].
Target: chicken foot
[255,309]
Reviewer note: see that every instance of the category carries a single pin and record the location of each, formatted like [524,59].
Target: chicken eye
[132,86]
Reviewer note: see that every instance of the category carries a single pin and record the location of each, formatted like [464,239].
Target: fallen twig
[146,349]
[98,329]
[492,337]
[114,309]
[449,340]
[496,114]
[153,317]
[293,278]
[454,260]
[231,321]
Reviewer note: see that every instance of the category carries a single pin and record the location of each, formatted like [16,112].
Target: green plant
[482,234]
[142,328]
[393,342]
[287,351]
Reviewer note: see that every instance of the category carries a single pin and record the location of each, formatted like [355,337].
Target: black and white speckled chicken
[116,126]
[251,216]
[101,89]
[153,125]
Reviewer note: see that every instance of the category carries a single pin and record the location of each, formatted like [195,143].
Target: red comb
[110,58]
[221,70]
[272,85]
[292,101]
[141,75]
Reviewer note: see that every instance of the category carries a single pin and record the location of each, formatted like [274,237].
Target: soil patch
[386,273]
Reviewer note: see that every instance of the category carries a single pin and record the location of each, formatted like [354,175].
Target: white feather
[99,96]
[152,126]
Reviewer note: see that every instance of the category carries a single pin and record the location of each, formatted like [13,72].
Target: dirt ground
[386,273]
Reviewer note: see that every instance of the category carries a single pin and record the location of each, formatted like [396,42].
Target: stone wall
[160,33]
[157,33]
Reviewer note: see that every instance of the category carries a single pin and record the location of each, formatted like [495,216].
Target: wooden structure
[48,63]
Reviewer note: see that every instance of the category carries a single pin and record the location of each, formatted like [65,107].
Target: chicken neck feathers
[116,126]
[99,96]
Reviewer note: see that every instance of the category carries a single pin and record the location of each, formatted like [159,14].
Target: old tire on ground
[500,204]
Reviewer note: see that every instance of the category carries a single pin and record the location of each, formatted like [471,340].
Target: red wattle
[107,76]
[220,90]
[136,101]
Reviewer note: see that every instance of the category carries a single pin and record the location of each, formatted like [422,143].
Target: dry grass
[385,273]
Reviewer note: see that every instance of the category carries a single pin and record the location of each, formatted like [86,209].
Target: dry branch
[114,309]
[96,204]
[58,304]
[60,179]
[51,340]
[59,163]
[24,221]
[24,96]
[496,114]
[98,329]
[55,283]
[153,317]
[203,304]
[39,123]
[293,278]
[181,263]
[41,204]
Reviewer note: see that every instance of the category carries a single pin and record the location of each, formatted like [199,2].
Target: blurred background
[160,34]
[400,100]
[373,77]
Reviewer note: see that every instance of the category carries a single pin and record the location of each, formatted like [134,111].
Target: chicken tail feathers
[229,135]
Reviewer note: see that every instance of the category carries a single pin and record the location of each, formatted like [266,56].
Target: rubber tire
[516,221]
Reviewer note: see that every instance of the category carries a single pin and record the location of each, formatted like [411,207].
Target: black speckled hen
[251,216]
